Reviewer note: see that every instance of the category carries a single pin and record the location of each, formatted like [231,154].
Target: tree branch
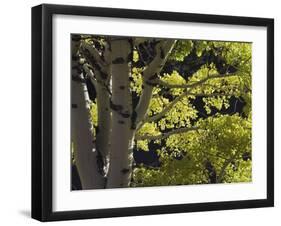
[164,111]
[213,94]
[225,165]
[163,50]
[162,83]
[186,93]
[90,74]
[165,135]
[98,74]
[93,52]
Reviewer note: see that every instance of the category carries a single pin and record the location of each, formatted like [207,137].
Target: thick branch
[100,68]
[98,75]
[90,74]
[154,68]
[96,79]
[163,49]
[165,135]
[93,52]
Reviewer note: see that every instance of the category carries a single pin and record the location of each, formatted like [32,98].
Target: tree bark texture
[86,157]
[110,154]
[121,155]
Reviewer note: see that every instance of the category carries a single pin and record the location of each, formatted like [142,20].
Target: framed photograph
[146,112]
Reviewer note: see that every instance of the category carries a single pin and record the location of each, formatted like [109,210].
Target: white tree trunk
[121,155]
[104,126]
[100,78]
[84,149]
[117,120]
[85,154]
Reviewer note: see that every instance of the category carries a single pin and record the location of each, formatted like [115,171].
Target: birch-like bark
[104,126]
[121,155]
[104,111]
[163,50]
[101,82]
[85,154]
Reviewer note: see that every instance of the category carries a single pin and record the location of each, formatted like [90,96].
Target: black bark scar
[103,75]
[125,114]
[130,57]
[155,76]
[125,171]
[121,122]
[119,108]
[78,79]
[134,119]
[115,107]
[97,130]
[131,43]
[118,60]
[162,54]
[109,47]
[91,59]
[149,83]
[100,163]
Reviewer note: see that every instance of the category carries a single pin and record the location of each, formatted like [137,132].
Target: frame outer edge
[47,113]
[36,161]
[42,112]
[270,112]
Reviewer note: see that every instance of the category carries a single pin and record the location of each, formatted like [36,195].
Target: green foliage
[214,152]
[201,46]
[94,116]
[180,115]
[135,56]
[182,49]
[222,141]
[136,84]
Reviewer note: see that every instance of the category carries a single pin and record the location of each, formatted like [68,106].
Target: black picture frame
[42,111]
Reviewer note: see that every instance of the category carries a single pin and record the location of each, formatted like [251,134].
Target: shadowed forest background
[156,112]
